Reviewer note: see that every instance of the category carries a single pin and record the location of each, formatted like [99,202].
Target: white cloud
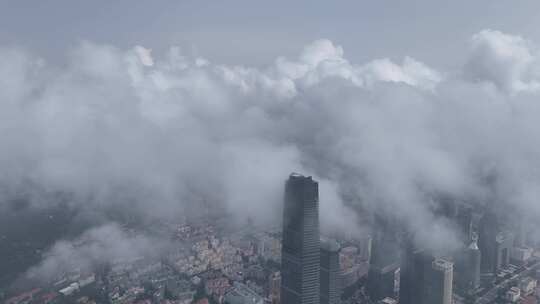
[145,55]
[508,61]
[322,60]
[411,72]
[181,130]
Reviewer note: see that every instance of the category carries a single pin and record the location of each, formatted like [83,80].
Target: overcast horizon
[246,32]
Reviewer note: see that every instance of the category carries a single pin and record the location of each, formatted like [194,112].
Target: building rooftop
[299,177]
[442,264]
[474,245]
[294,174]
[388,301]
[243,291]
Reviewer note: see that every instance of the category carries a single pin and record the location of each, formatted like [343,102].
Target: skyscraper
[384,261]
[424,279]
[415,267]
[495,243]
[300,253]
[330,291]
[382,281]
[464,221]
[274,287]
[468,267]
[438,289]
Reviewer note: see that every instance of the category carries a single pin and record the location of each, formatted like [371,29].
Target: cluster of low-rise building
[240,267]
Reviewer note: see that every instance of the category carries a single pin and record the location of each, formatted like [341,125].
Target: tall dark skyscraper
[330,291]
[381,280]
[300,253]
[424,279]
[415,266]
[495,244]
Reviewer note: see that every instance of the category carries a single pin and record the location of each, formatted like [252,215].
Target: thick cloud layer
[164,134]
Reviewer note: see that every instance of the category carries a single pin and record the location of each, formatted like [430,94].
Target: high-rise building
[424,279]
[382,281]
[495,243]
[330,291]
[464,221]
[468,267]
[274,287]
[438,283]
[300,256]
[415,265]
[384,261]
[365,245]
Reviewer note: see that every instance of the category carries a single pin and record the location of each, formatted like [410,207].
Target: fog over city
[107,134]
